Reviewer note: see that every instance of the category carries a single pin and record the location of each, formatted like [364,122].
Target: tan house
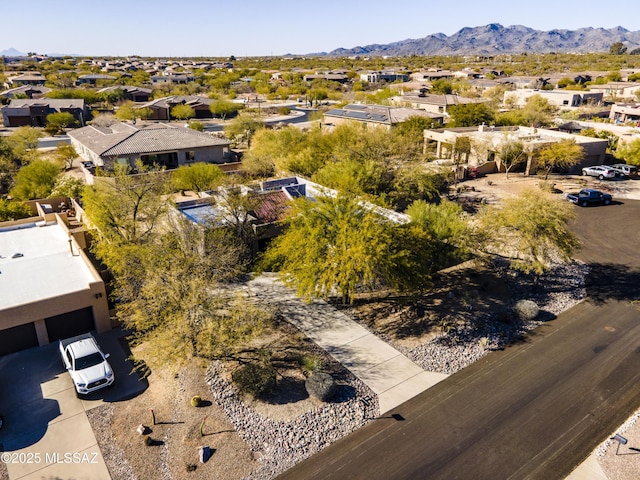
[486,144]
[566,99]
[49,289]
[375,116]
[154,144]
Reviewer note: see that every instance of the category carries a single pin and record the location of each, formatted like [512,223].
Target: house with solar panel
[154,144]
[270,202]
[375,116]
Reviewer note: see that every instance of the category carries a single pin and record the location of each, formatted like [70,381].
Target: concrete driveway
[46,433]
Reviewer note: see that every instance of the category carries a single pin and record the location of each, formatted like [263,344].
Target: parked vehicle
[589,196]
[624,170]
[600,171]
[86,363]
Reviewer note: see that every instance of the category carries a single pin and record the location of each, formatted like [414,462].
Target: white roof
[46,269]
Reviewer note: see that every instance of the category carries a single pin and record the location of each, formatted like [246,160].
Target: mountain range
[494,39]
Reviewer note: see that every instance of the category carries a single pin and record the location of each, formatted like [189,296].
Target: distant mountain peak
[495,39]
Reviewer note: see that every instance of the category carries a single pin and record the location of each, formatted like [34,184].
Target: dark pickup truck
[589,196]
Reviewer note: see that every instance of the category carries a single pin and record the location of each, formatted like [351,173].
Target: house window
[565,102]
[191,156]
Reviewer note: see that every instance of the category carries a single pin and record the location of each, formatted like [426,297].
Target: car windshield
[89,361]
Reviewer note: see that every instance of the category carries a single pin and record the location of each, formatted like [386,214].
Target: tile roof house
[376,115]
[165,145]
[33,112]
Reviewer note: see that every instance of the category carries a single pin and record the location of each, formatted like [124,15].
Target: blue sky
[273,27]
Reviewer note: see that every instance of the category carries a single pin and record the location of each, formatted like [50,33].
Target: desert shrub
[284,111]
[310,364]
[526,310]
[255,378]
[196,401]
[321,386]
[547,186]
[190,467]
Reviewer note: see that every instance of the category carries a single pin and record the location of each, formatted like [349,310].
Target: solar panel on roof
[335,111]
[358,115]
[356,107]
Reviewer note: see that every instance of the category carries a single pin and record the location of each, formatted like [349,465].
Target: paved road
[534,410]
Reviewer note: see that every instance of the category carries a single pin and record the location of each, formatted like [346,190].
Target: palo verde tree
[66,154]
[563,154]
[198,177]
[531,229]
[629,152]
[511,153]
[24,144]
[183,111]
[334,245]
[58,122]
[35,180]
[127,208]
[169,294]
[470,114]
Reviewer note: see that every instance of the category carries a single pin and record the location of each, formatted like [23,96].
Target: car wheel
[584,204]
[584,172]
[607,202]
[600,177]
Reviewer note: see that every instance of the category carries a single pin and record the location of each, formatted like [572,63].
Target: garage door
[70,324]
[18,338]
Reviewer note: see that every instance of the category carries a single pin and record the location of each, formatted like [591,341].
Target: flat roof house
[486,142]
[49,289]
[559,98]
[165,145]
[33,112]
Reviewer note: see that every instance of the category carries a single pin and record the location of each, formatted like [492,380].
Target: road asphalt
[534,410]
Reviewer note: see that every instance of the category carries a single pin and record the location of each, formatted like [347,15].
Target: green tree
[224,108]
[334,244]
[66,154]
[532,229]
[537,111]
[183,111]
[563,154]
[168,293]
[129,111]
[412,129]
[442,234]
[127,208]
[242,128]
[442,86]
[629,152]
[617,48]
[24,143]
[470,114]
[198,177]
[511,153]
[35,180]
[11,210]
[58,122]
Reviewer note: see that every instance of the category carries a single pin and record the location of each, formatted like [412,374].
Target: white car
[624,170]
[86,363]
[600,171]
